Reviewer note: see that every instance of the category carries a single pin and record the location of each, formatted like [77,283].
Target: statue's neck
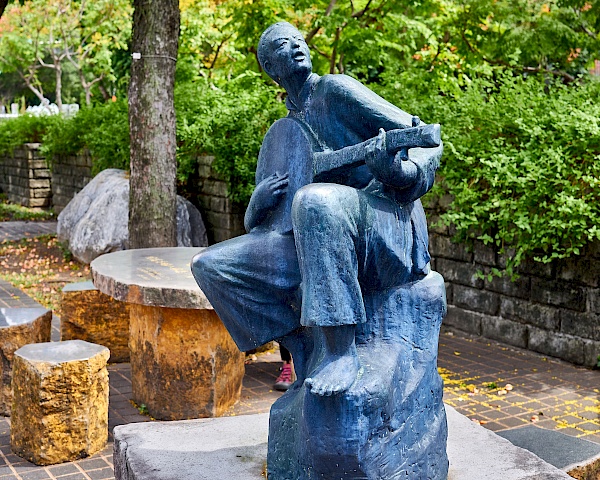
[299,96]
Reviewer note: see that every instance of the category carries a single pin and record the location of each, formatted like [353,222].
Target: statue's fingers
[281,183]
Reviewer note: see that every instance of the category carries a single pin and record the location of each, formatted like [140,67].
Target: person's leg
[286,356]
[284,380]
[251,282]
[328,228]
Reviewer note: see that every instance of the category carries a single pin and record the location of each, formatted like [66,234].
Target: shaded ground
[10,212]
[40,267]
[543,391]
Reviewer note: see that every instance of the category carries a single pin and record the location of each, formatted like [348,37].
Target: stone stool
[90,315]
[18,327]
[60,403]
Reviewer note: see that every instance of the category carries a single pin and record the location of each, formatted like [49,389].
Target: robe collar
[299,104]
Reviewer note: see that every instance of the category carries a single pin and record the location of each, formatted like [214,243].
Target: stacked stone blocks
[553,308]
[224,219]
[25,177]
[60,404]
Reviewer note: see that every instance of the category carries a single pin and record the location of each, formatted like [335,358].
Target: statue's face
[287,54]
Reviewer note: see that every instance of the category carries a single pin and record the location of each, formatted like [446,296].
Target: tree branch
[3,4]
[338,31]
[589,32]
[360,13]
[315,30]
[212,64]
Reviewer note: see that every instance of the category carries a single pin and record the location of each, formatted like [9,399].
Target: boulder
[96,220]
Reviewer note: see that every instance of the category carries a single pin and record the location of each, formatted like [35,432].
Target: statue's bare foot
[336,374]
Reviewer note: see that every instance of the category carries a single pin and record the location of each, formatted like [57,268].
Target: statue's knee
[315,198]
[203,265]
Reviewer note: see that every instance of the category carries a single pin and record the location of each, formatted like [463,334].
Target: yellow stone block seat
[90,315]
[19,326]
[60,402]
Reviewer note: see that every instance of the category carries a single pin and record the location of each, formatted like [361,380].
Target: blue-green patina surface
[335,266]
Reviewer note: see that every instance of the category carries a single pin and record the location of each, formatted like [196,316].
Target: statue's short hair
[263,43]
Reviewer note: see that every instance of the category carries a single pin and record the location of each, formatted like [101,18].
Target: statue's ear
[268,68]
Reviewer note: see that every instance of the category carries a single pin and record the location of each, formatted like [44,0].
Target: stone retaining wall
[223,218]
[70,173]
[553,309]
[27,180]
[25,177]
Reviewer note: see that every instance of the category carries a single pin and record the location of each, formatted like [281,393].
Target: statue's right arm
[266,196]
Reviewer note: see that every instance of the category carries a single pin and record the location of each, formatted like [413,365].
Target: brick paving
[11,297]
[545,392]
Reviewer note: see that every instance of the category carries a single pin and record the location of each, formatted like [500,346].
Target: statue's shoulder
[340,84]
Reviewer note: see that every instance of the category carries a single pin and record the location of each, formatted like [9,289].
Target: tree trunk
[152,201]
[58,90]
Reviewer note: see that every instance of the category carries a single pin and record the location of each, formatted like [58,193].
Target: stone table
[184,363]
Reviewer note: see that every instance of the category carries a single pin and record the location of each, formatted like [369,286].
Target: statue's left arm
[411,173]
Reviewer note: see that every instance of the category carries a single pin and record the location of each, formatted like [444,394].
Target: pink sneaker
[284,381]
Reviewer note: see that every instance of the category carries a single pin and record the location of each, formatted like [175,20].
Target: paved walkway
[498,386]
[10,231]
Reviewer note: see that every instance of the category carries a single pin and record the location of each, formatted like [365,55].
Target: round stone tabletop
[157,277]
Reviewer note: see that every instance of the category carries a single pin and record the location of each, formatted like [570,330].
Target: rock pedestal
[184,363]
[90,315]
[391,423]
[236,447]
[60,404]
[18,327]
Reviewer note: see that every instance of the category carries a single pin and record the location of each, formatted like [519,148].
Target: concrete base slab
[236,447]
[205,449]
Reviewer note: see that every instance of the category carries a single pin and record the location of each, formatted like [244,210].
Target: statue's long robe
[380,240]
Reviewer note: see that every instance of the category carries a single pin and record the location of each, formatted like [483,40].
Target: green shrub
[522,162]
[229,122]
[102,129]
[23,129]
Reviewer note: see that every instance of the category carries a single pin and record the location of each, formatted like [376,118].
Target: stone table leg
[184,364]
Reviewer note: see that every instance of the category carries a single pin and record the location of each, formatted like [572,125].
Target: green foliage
[20,130]
[10,212]
[229,122]
[66,36]
[102,129]
[522,163]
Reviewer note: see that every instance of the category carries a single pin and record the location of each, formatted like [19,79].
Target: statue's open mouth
[299,56]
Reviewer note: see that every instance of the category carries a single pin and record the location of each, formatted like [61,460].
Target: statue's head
[282,52]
